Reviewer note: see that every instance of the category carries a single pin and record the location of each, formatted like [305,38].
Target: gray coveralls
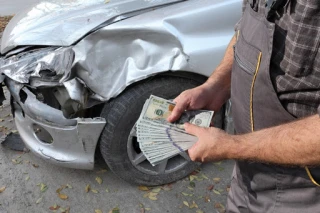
[259,187]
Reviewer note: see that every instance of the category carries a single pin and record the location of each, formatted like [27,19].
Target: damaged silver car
[80,71]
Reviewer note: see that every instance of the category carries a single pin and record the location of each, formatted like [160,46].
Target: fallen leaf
[185,194]
[107,1]
[99,180]
[54,207]
[115,210]
[94,191]
[35,165]
[87,188]
[153,198]
[16,161]
[14,131]
[207,199]
[107,190]
[65,210]
[220,207]
[146,195]
[39,200]
[43,187]
[192,177]
[216,180]
[69,186]
[210,187]
[186,203]
[189,187]
[27,178]
[216,192]
[158,189]
[97,211]
[60,189]
[143,188]
[204,176]
[147,209]
[153,194]
[63,196]
[2,189]
[199,211]
[193,205]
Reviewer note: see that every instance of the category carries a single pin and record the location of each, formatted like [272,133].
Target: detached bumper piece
[51,136]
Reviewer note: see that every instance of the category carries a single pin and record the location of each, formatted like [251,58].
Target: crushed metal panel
[190,37]
[72,147]
[61,23]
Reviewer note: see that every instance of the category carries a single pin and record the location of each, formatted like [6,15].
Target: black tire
[118,145]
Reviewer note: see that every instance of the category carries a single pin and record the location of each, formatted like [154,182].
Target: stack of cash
[160,140]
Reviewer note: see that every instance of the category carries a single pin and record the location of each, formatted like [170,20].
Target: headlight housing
[54,63]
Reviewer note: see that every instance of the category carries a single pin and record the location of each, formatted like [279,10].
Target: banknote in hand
[160,140]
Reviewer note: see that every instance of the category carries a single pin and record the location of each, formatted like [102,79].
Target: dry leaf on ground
[43,187]
[54,207]
[2,189]
[99,180]
[39,200]
[216,180]
[216,192]
[156,190]
[65,210]
[94,191]
[97,211]
[143,188]
[87,188]
[210,187]
[115,210]
[193,205]
[186,203]
[63,196]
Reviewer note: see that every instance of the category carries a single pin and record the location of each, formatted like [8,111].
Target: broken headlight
[51,63]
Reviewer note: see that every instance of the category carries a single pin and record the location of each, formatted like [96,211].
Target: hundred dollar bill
[158,110]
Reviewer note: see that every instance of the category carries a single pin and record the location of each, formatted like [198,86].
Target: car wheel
[118,142]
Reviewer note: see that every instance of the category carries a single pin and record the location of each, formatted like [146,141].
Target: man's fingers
[180,107]
[192,129]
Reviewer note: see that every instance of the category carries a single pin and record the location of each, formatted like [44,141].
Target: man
[273,78]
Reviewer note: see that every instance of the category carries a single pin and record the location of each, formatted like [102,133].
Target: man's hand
[201,97]
[212,144]
[212,94]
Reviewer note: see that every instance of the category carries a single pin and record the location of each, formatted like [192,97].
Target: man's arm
[295,143]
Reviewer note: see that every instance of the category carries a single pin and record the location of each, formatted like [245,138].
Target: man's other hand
[213,144]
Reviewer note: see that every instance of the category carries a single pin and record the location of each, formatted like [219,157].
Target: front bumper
[73,141]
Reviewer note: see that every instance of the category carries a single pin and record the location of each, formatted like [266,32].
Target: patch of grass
[4,21]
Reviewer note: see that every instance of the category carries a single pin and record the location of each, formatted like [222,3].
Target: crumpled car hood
[62,23]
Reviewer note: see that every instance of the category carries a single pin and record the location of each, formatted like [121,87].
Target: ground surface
[29,184]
